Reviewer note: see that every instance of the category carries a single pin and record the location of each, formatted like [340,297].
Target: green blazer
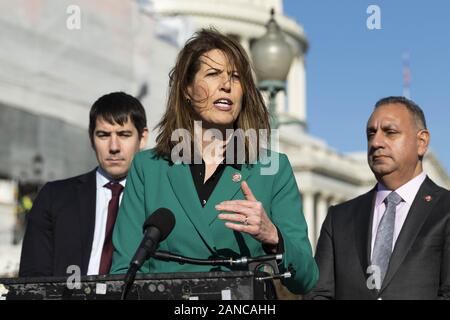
[154,182]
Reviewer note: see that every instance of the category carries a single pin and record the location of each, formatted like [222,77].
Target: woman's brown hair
[180,114]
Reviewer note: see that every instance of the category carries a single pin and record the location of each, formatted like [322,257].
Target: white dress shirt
[408,192]
[101,215]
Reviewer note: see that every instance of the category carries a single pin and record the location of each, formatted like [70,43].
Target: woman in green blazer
[210,167]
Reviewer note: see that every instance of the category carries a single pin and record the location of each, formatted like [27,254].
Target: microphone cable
[244,261]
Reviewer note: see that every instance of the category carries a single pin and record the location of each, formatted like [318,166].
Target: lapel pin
[236,177]
[428,198]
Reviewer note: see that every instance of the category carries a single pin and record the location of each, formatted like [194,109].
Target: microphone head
[163,220]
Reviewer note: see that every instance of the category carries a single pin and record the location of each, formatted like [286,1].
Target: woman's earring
[189,102]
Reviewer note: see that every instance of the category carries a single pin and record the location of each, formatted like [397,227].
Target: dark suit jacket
[60,228]
[420,263]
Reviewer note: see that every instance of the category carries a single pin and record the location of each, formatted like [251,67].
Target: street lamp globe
[272,57]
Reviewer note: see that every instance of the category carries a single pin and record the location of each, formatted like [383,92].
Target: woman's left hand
[251,215]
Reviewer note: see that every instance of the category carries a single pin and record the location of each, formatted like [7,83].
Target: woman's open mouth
[223,104]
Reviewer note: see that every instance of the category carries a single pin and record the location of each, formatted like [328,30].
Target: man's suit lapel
[363,214]
[85,197]
[418,213]
[180,178]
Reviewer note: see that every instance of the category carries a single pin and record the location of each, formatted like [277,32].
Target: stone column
[296,88]
[321,213]
[308,211]
[245,43]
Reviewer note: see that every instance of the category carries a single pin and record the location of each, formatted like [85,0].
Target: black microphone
[156,229]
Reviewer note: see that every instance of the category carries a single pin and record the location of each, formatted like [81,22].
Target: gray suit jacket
[420,263]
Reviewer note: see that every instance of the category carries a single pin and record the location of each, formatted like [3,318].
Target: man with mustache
[394,241]
[72,220]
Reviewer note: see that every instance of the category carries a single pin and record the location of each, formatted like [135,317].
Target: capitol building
[52,70]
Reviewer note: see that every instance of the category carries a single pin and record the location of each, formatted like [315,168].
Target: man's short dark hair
[117,107]
[412,107]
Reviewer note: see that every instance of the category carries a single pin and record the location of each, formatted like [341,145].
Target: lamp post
[272,57]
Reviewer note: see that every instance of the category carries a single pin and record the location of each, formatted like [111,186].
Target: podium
[233,285]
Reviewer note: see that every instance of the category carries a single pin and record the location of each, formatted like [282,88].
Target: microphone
[156,229]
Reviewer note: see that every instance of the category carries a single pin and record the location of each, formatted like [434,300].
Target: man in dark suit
[71,222]
[394,241]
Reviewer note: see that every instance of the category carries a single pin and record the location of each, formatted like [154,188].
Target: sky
[349,67]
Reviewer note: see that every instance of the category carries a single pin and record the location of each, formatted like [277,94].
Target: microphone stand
[129,280]
[253,263]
